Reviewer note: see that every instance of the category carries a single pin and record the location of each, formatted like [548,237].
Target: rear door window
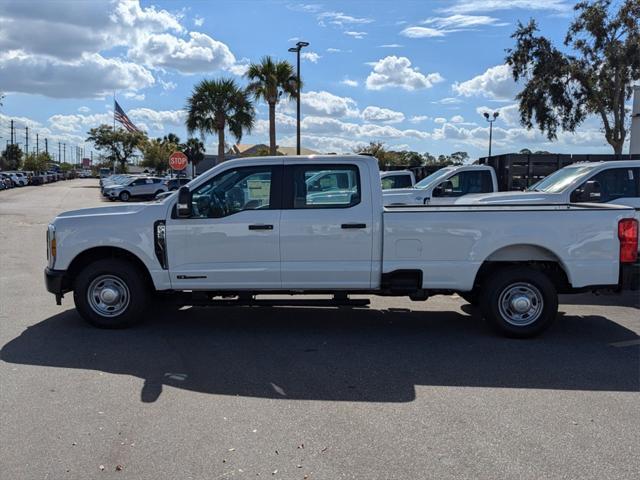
[616,183]
[323,186]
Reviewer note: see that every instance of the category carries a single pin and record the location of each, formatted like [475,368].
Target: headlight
[51,245]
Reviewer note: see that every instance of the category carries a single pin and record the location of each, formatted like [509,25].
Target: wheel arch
[535,256]
[99,253]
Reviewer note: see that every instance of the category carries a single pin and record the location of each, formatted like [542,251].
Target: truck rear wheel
[519,302]
[111,293]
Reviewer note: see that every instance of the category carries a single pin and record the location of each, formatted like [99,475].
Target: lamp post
[299,46]
[490,118]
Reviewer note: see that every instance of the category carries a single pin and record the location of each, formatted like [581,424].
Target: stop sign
[178,161]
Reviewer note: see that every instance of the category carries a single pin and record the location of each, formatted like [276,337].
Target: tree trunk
[272,129]
[617,146]
[221,145]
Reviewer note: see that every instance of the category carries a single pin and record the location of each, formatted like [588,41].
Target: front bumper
[630,276]
[56,282]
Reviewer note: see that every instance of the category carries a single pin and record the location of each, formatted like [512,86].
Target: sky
[413,74]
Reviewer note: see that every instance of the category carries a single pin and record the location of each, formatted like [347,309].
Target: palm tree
[194,150]
[217,105]
[269,80]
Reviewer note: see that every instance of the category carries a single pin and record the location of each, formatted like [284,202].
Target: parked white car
[394,179]
[252,226]
[445,186]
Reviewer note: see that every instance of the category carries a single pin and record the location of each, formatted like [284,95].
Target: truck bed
[450,243]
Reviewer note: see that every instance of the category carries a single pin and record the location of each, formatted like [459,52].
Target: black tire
[158,193]
[137,291]
[530,285]
[124,196]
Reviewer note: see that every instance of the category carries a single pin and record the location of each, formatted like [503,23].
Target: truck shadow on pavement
[333,354]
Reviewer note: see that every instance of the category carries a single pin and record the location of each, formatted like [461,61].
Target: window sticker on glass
[259,189]
[630,172]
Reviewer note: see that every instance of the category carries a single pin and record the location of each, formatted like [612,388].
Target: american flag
[121,117]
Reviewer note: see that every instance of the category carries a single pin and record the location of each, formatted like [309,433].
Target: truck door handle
[354,225]
[260,227]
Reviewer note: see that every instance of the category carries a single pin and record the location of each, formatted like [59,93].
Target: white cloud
[471,6]
[457,119]
[422,32]
[419,118]
[313,57]
[390,45]
[447,101]
[84,109]
[340,19]
[349,83]
[168,85]
[91,76]
[134,96]
[440,120]
[495,83]
[198,21]
[358,35]
[395,71]
[385,115]
[68,40]
[441,26]
[323,103]
[509,114]
[158,118]
[333,50]
[200,53]
[457,22]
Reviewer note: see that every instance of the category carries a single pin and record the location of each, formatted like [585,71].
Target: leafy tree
[525,151]
[458,158]
[561,89]
[428,158]
[37,162]
[216,105]
[118,145]
[65,166]
[271,79]
[11,157]
[156,152]
[194,150]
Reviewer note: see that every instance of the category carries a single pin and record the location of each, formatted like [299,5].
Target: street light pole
[490,118]
[297,49]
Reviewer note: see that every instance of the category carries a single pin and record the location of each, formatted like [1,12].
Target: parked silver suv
[135,187]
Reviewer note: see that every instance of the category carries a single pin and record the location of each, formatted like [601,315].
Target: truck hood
[110,210]
[511,198]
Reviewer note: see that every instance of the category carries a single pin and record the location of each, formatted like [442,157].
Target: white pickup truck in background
[445,186]
[614,182]
[260,226]
[395,179]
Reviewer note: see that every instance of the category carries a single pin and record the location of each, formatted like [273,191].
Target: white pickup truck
[257,226]
[445,186]
[616,182]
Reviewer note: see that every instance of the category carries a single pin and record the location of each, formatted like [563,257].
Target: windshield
[561,179]
[433,178]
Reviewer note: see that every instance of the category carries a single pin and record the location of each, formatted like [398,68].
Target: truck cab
[445,186]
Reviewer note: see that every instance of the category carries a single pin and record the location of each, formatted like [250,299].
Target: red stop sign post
[178,161]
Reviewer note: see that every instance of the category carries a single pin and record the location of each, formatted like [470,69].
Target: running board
[251,301]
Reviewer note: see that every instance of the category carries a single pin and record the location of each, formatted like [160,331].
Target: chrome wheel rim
[520,304]
[108,296]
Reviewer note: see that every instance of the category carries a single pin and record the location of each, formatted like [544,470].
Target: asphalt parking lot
[396,391]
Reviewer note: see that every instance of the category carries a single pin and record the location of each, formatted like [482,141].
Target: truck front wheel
[519,302]
[111,293]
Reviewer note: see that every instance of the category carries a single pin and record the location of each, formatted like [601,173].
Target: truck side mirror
[591,190]
[184,206]
[444,189]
